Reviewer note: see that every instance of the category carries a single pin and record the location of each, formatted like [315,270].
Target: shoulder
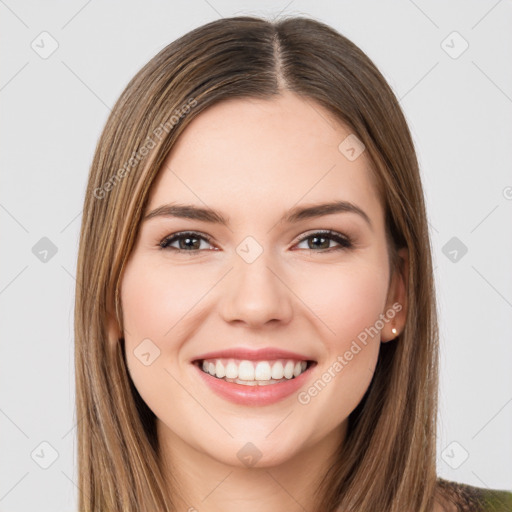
[458,497]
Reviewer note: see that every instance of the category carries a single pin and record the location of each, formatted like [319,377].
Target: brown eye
[187,241]
[190,241]
[322,239]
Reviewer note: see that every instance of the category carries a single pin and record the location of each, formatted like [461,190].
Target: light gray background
[54,109]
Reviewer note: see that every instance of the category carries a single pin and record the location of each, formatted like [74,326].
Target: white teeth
[288,369]
[231,370]
[277,370]
[246,370]
[254,372]
[219,370]
[255,382]
[262,371]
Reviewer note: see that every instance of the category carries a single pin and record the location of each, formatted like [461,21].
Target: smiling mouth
[254,373]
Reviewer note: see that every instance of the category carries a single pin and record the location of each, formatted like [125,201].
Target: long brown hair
[387,462]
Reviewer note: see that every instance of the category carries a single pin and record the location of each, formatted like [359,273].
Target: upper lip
[262,354]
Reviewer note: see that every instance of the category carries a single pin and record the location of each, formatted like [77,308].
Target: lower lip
[254,395]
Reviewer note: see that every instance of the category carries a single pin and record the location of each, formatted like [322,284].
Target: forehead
[256,155]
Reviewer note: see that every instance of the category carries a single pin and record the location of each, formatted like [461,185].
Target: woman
[256,322]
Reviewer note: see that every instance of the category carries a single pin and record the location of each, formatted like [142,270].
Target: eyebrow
[296,214]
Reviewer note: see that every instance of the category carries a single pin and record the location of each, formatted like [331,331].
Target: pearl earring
[394,331]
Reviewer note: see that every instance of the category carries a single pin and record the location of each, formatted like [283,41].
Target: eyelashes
[188,238]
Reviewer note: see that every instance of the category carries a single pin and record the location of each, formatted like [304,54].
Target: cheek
[349,306]
[156,297]
[346,299]
[161,305]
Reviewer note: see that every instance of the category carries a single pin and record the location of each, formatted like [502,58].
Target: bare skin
[253,160]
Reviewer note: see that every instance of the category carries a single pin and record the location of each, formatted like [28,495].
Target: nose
[256,293]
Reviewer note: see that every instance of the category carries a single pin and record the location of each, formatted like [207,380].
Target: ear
[397,297]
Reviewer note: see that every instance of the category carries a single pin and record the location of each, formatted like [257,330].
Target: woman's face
[262,289]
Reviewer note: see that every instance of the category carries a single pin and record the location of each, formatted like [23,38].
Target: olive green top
[476,499]
[497,501]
